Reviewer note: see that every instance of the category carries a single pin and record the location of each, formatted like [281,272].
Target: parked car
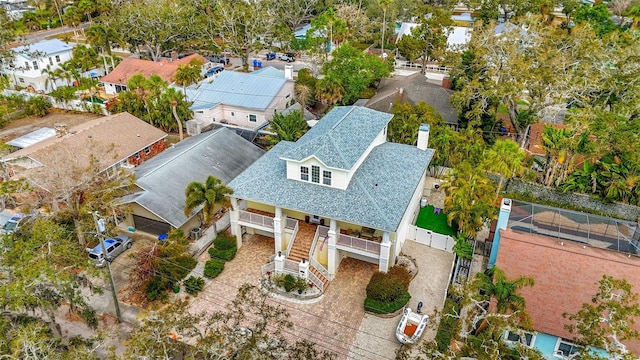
[114,247]
[13,224]
[288,57]
[271,56]
[218,59]
[214,70]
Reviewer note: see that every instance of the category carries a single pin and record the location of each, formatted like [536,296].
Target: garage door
[150,226]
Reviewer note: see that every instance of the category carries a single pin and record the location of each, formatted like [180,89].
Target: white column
[385,251]
[279,262]
[332,259]
[277,230]
[234,215]
[303,269]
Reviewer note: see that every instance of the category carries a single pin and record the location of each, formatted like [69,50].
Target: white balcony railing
[353,242]
[293,230]
[255,219]
[321,232]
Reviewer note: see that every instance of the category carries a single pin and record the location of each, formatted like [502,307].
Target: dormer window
[315,174]
[326,177]
[304,173]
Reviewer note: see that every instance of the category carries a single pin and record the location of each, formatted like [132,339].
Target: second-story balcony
[255,219]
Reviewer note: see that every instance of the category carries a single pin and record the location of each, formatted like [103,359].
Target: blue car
[214,70]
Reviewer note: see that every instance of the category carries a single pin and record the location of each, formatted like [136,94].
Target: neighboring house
[457,39]
[25,68]
[533,144]
[413,89]
[566,253]
[339,191]
[116,80]
[111,142]
[245,100]
[158,205]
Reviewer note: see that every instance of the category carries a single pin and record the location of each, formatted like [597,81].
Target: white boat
[411,326]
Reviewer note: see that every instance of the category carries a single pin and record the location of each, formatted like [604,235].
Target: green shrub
[226,255]
[286,281]
[157,289]
[301,284]
[89,316]
[379,307]
[193,285]
[388,287]
[213,268]
[448,325]
[224,243]
[38,106]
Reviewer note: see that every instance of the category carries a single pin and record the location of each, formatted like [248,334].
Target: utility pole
[100,227]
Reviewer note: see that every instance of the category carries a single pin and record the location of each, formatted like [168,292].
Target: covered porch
[321,242]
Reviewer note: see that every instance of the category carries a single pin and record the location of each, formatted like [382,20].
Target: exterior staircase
[301,247]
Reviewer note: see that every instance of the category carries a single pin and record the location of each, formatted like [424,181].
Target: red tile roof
[166,69]
[566,275]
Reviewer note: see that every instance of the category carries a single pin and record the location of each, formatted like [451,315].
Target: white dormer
[333,150]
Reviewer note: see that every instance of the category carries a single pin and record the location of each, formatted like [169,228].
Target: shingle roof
[220,153]
[566,275]
[237,89]
[46,47]
[108,140]
[377,196]
[341,137]
[415,88]
[164,68]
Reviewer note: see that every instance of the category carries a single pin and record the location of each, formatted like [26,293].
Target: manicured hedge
[213,268]
[224,248]
[379,307]
[388,287]
[193,285]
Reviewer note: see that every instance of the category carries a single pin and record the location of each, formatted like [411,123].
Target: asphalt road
[41,35]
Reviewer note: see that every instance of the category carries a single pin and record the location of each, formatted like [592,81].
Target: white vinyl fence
[430,238]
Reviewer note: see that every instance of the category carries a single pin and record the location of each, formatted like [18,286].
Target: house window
[517,338]
[304,173]
[26,65]
[315,174]
[326,177]
[137,156]
[565,348]
[120,88]
[253,118]
[35,65]
[50,61]
[58,59]
[21,80]
[233,114]
[147,150]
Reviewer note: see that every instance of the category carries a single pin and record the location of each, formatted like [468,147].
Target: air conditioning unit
[194,127]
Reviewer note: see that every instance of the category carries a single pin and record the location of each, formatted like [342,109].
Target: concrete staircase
[301,247]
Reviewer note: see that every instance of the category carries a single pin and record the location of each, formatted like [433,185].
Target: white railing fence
[321,232]
[293,231]
[255,219]
[358,243]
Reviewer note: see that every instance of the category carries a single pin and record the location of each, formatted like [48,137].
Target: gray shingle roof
[341,137]
[237,89]
[377,196]
[220,153]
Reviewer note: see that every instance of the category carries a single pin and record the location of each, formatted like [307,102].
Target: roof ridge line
[375,203]
[185,150]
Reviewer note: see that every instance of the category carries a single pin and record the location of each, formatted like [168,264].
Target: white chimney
[423,137]
[288,72]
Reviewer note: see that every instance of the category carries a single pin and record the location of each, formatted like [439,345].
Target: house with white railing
[342,190]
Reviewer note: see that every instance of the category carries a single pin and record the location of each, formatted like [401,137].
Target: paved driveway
[336,321]
[378,334]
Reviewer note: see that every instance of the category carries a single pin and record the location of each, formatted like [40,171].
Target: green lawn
[436,223]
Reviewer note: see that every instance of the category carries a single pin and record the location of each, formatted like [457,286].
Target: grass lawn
[436,223]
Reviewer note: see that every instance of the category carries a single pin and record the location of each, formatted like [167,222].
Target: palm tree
[52,76]
[209,194]
[504,158]
[494,284]
[189,74]
[288,127]
[303,93]
[175,96]
[384,4]
[103,37]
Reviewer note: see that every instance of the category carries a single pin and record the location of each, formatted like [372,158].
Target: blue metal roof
[237,89]
[341,137]
[47,47]
[270,71]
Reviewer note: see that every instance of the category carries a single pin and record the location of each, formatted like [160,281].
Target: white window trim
[308,173]
[255,116]
[556,351]
[324,178]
